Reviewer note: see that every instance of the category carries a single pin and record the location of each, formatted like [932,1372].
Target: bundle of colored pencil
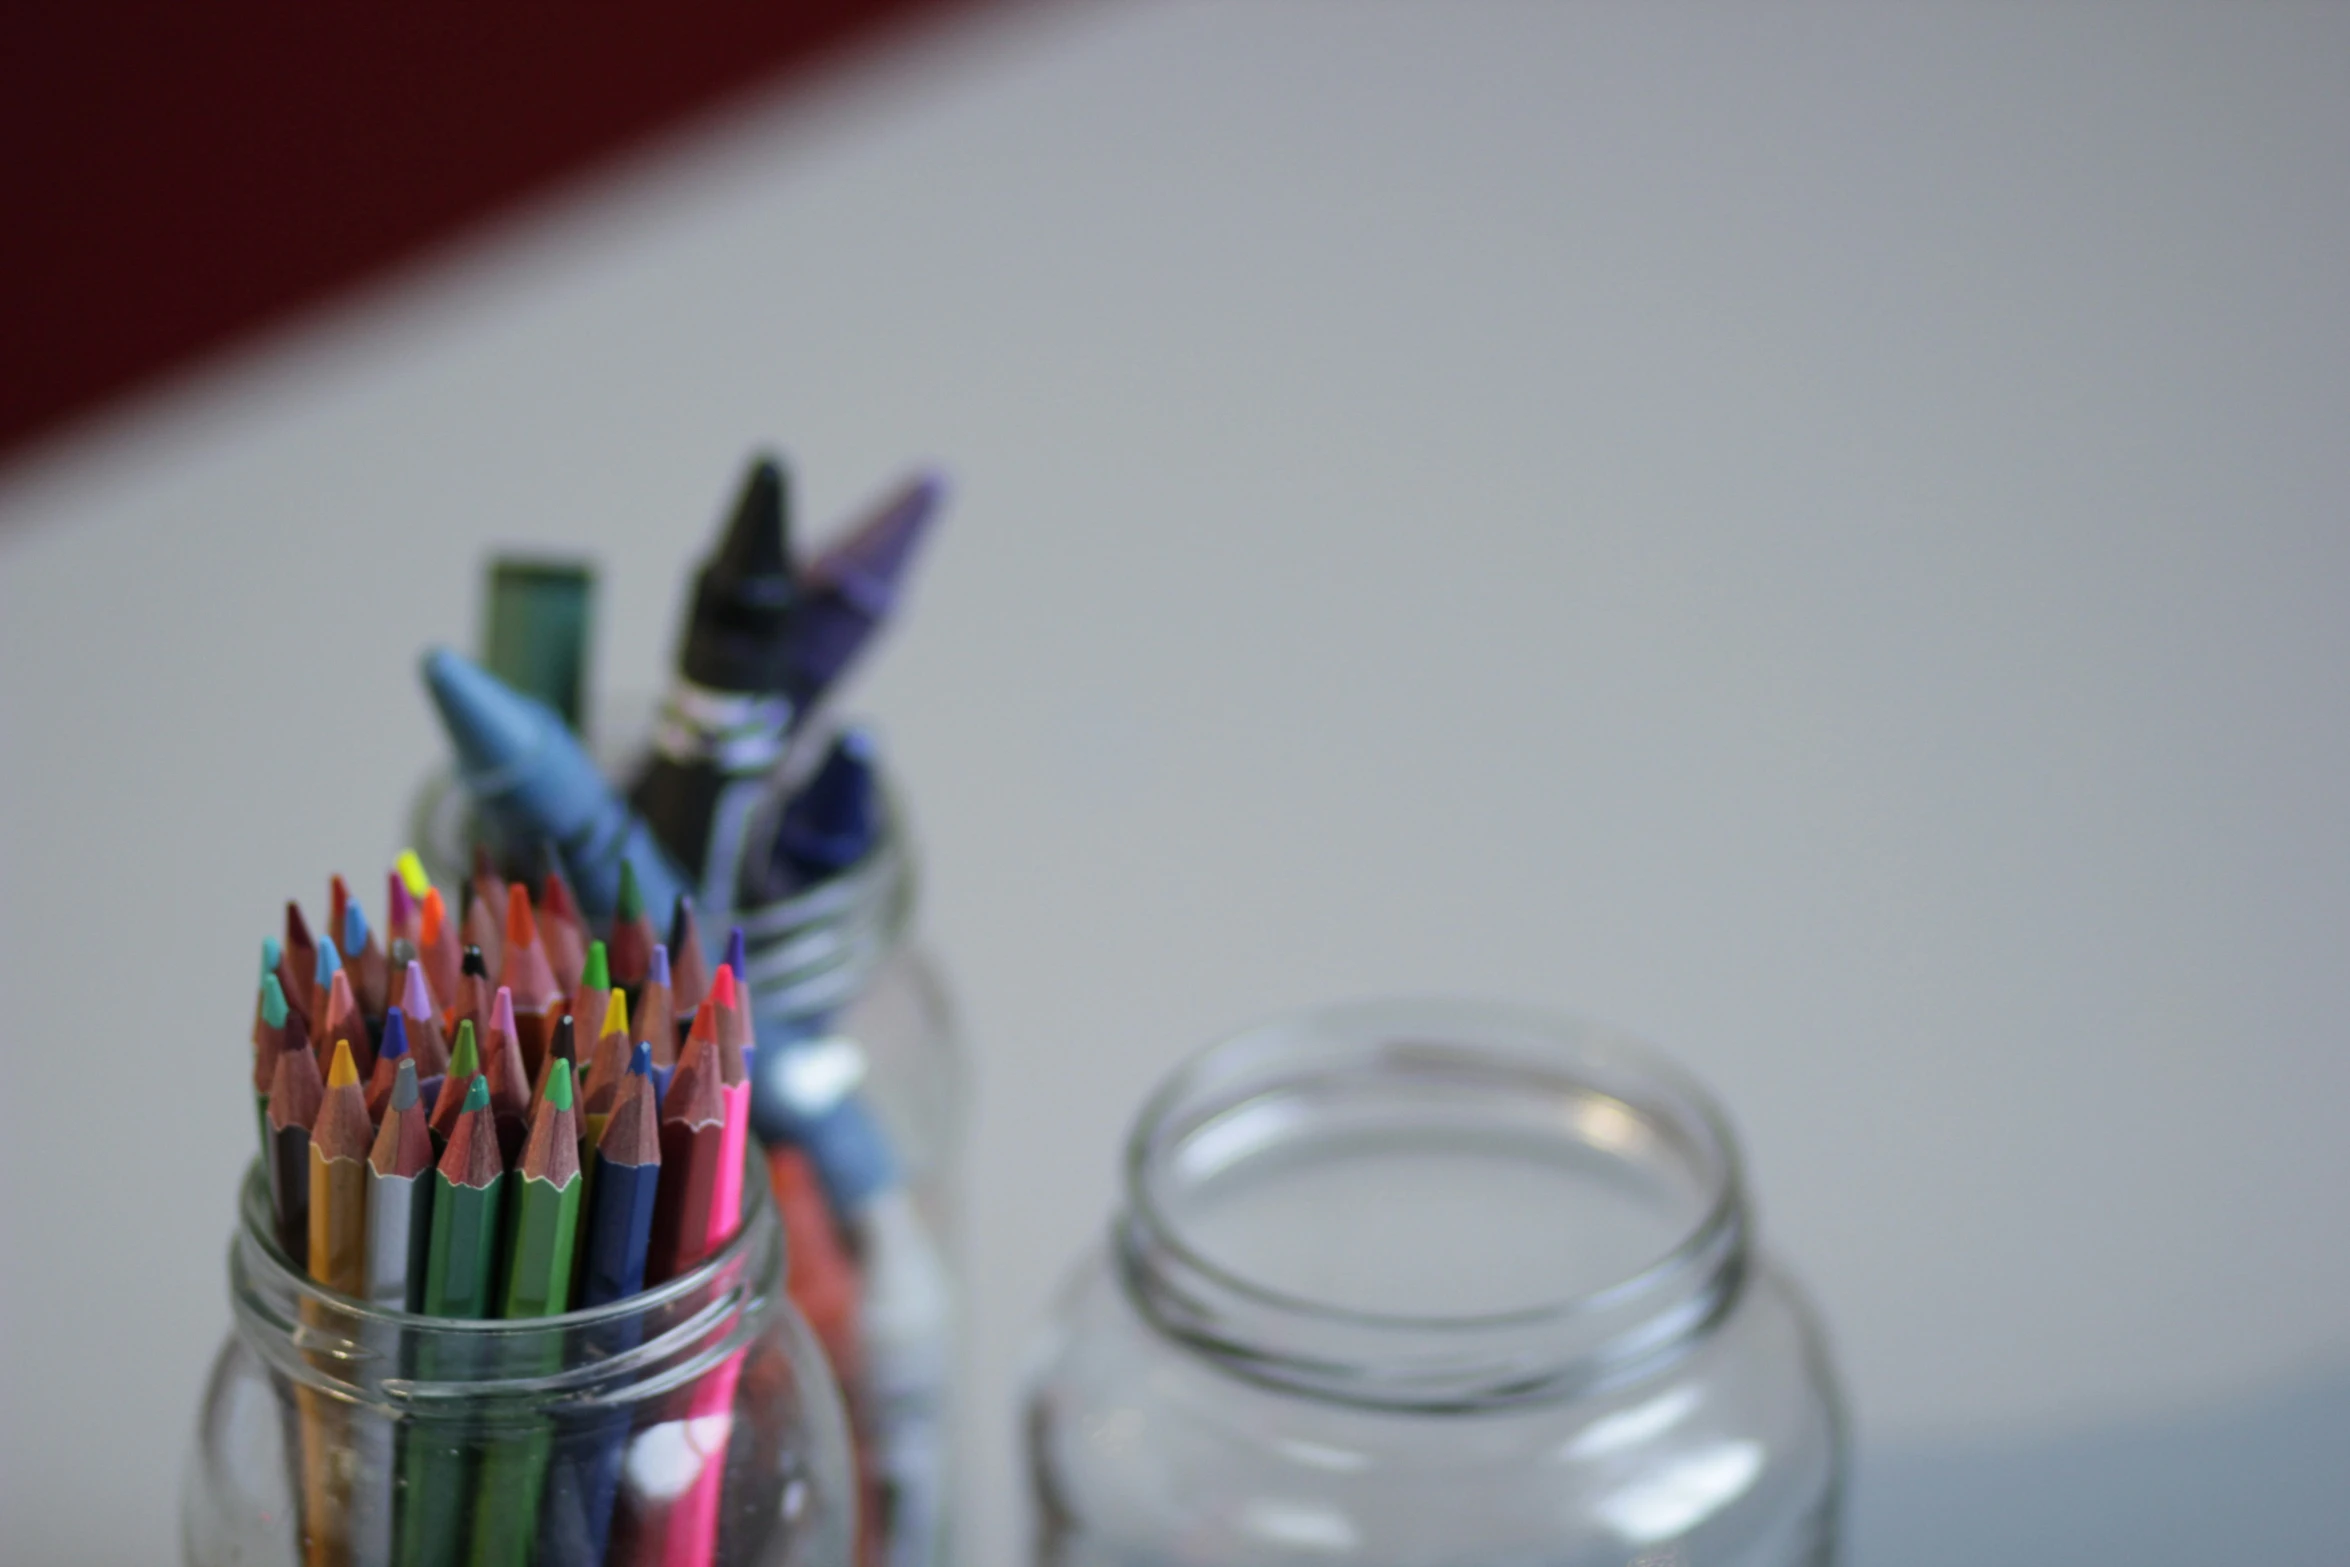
[492,1137]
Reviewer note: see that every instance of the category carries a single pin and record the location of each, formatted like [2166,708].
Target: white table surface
[1815,534]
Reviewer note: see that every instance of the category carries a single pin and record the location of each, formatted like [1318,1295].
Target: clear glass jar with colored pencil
[743,823]
[509,1286]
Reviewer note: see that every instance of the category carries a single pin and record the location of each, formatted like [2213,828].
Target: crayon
[724,724]
[852,586]
[534,784]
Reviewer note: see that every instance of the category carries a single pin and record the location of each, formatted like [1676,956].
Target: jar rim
[257,1228]
[1434,1358]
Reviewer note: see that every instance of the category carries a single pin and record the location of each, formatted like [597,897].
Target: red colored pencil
[529,978]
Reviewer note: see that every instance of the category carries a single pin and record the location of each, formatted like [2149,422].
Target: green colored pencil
[543,1226]
[460,1280]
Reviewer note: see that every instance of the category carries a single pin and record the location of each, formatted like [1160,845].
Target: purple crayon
[847,592]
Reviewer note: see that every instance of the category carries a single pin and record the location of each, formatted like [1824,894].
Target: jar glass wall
[1432,1283]
[333,1432]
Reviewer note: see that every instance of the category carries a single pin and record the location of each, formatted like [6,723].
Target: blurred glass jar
[335,1432]
[861,1063]
[1432,1283]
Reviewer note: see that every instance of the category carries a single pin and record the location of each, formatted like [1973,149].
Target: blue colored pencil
[576,1519]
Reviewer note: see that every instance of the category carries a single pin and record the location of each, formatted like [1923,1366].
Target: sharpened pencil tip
[411,871]
[345,1071]
[405,1091]
[329,960]
[596,973]
[395,1040]
[273,1001]
[465,1054]
[521,928]
[559,1085]
[657,971]
[640,1060]
[477,1095]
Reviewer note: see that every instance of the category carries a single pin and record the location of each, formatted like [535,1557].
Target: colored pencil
[501,1065]
[576,1521]
[339,1138]
[473,991]
[689,966]
[399,1197]
[363,956]
[630,945]
[338,1260]
[543,1229]
[423,1019]
[563,1047]
[403,915]
[442,953]
[590,993]
[484,925]
[388,1060]
[693,1129]
[606,1066]
[298,961]
[460,1280]
[464,1067]
[399,1229]
[561,927]
[692,1527]
[628,1162]
[269,1037]
[656,1017]
[529,978]
[295,1091]
[343,1019]
[270,951]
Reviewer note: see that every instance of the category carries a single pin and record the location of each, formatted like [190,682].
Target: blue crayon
[534,785]
[851,588]
[833,822]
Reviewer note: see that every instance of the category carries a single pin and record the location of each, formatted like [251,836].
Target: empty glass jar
[1432,1284]
[339,1435]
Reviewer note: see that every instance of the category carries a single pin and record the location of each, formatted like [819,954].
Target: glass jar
[1432,1283]
[334,1432]
[860,1062]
